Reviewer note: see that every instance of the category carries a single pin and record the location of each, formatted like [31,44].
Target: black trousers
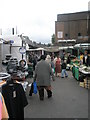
[31,90]
[41,92]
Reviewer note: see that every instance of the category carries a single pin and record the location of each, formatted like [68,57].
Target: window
[79,34]
[66,35]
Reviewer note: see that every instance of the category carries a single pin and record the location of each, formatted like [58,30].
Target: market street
[69,101]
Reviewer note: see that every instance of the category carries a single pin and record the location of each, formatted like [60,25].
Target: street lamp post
[88,25]
[23,41]
[22,46]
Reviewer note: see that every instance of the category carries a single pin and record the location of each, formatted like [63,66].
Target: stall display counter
[86,72]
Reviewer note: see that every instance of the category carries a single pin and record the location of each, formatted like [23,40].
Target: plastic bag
[34,88]
[53,70]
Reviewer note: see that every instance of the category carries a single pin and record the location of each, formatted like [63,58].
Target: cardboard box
[82,84]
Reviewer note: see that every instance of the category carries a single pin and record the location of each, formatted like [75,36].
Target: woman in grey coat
[43,73]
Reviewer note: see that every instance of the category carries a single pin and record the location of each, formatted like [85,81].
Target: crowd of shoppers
[46,68]
[51,66]
[84,58]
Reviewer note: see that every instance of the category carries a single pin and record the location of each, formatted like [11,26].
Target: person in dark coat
[43,73]
[68,59]
[64,69]
[86,59]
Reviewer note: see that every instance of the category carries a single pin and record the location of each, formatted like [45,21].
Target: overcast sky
[36,18]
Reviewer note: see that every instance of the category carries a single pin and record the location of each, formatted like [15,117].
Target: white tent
[66,47]
[82,45]
[37,49]
[72,40]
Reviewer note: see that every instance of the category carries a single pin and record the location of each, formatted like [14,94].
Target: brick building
[73,26]
[89,5]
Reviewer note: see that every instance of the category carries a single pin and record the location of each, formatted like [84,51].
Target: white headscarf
[48,59]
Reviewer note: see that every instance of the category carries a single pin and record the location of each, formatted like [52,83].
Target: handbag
[34,88]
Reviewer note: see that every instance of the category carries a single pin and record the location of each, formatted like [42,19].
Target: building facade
[9,31]
[72,26]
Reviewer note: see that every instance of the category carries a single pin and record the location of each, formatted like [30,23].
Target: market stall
[75,71]
[82,74]
[85,71]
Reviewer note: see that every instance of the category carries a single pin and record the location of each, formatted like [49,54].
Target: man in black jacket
[86,59]
[64,69]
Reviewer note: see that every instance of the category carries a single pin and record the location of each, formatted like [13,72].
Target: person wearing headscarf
[48,59]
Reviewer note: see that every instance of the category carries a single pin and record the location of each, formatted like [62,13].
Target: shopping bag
[34,88]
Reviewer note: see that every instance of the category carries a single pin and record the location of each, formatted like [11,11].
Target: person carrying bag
[43,73]
[33,89]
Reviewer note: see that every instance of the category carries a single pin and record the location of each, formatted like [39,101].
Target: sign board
[59,34]
[11,41]
[22,50]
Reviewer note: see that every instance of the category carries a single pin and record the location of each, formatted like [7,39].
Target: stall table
[87,77]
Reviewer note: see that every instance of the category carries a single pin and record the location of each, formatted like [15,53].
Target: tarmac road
[69,100]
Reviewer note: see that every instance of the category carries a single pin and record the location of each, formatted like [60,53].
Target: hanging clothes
[3,109]
[0,107]
[15,99]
